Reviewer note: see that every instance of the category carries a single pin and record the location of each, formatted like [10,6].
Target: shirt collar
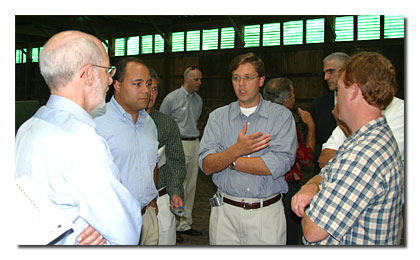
[120,111]
[184,90]
[368,127]
[65,104]
[261,108]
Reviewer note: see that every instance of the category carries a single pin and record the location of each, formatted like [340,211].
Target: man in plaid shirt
[358,197]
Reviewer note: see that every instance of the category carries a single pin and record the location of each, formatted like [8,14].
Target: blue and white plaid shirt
[362,193]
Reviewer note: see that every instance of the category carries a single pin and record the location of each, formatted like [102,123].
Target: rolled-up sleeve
[282,149]
[208,143]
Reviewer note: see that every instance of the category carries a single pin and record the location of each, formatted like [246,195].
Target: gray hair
[277,90]
[60,64]
[339,56]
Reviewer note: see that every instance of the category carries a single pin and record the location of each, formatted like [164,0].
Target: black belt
[255,205]
[162,192]
[189,138]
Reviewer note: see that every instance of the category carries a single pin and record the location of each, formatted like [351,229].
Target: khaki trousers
[149,229]
[191,149]
[232,225]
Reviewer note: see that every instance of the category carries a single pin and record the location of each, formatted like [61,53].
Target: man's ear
[261,81]
[355,91]
[117,85]
[88,75]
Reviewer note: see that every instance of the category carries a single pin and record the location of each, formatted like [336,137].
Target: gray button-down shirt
[222,132]
[185,108]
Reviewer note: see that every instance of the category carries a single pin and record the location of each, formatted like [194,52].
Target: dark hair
[122,66]
[153,74]
[277,90]
[251,58]
[374,74]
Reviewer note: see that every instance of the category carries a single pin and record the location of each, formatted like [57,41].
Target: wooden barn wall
[302,64]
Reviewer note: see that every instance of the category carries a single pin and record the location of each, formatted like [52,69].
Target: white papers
[39,221]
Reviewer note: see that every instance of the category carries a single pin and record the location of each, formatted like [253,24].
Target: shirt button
[247,189]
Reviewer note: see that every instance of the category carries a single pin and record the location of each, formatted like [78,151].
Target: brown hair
[251,58]
[374,74]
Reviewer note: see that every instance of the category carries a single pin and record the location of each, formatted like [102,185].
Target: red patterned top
[303,158]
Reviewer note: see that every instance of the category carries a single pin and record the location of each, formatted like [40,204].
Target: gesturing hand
[306,117]
[247,144]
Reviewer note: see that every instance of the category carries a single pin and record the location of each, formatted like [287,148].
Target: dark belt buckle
[244,205]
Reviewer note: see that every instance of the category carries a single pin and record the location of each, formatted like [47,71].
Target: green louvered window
[271,34]
[368,27]
[227,38]
[210,39]
[120,46]
[393,26]
[147,44]
[133,45]
[159,44]
[177,41]
[293,32]
[252,35]
[24,51]
[19,55]
[35,54]
[105,45]
[193,40]
[315,30]
[344,28]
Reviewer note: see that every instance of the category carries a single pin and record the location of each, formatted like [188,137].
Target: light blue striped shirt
[71,164]
[185,108]
[134,148]
[222,132]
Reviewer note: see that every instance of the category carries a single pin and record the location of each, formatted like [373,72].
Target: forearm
[252,165]
[325,156]
[311,231]
[310,137]
[219,161]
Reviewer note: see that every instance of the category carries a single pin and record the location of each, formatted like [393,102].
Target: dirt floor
[201,211]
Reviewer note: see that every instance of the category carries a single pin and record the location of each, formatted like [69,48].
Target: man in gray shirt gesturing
[248,146]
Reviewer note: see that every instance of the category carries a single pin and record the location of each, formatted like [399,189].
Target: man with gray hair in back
[59,151]
[322,106]
[282,91]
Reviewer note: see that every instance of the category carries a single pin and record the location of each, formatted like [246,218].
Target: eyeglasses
[246,78]
[111,69]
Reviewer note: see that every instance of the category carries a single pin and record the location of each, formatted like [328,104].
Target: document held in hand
[40,222]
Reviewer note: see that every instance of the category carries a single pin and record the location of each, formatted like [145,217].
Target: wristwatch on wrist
[232,165]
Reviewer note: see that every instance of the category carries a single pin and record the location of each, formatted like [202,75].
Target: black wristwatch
[232,165]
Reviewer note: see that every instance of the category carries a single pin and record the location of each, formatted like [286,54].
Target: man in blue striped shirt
[132,138]
[357,199]
[248,146]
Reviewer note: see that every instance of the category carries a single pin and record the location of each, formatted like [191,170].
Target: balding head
[65,54]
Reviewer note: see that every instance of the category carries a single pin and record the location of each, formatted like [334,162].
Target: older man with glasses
[60,152]
[185,105]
